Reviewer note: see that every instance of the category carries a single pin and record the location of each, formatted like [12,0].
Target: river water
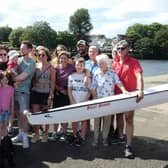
[154,67]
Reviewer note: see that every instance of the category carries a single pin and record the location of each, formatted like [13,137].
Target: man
[91,63]
[130,73]
[23,80]
[82,49]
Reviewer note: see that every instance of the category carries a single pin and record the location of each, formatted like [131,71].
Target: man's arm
[21,77]
[140,86]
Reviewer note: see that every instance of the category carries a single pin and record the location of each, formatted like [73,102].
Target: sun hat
[12,54]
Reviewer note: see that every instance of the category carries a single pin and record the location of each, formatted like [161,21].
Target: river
[154,67]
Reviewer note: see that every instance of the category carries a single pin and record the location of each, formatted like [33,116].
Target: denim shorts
[21,101]
[4,116]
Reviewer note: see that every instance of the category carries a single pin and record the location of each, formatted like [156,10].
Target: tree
[80,24]
[40,33]
[15,37]
[161,43]
[4,33]
[144,47]
[64,37]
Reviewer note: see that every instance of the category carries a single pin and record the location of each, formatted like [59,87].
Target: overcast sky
[109,17]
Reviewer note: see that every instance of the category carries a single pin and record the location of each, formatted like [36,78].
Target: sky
[108,17]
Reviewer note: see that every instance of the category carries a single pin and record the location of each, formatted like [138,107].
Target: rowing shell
[100,107]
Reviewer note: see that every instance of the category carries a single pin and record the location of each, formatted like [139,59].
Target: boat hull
[100,107]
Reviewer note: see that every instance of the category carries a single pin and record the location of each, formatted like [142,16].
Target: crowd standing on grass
[40,80]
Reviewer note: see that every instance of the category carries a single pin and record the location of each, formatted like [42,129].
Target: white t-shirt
[79,91]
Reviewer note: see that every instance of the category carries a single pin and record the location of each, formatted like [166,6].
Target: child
[6,106]
[12,65]
[78,92]
[103,82]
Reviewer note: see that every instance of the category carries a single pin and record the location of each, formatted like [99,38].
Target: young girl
[78,91]
[6,107]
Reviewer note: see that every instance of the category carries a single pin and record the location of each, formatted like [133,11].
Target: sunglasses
[3,54]
[121,48]
[41,55]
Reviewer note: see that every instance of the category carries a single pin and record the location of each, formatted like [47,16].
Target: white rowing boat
[100,107]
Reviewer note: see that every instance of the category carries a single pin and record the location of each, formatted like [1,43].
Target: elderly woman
[43,89]
[103,82]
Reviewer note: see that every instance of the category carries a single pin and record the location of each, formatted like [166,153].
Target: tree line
[147,41]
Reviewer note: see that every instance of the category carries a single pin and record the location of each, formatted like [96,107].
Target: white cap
[12,54]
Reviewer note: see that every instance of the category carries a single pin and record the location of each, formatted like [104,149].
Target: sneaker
[44,138]
[78,141]
[95,143]
[17,138]
[105,142]
[35,138]
[70,139]
[63,137]
[128,152]
[25,141]
[118,140]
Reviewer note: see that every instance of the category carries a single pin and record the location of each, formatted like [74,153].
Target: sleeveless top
[43,77]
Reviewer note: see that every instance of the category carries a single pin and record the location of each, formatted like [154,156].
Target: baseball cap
[12,54]
[81,42]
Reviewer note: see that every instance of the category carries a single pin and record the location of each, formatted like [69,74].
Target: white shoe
[35,138]
[25,141]
[44,138]
[17,138]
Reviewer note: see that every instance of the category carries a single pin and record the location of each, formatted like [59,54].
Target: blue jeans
[4,116]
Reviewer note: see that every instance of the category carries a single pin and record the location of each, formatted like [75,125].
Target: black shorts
[39,98]
[60,100]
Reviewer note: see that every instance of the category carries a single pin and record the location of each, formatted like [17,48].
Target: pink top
[6,94]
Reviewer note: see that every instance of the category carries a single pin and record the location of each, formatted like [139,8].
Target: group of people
[34,80]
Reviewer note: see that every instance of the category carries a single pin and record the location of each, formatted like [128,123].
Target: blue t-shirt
[26,65]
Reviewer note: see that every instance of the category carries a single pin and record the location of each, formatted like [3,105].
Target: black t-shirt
[3,65]
[86,56]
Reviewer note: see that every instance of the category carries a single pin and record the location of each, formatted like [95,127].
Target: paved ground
[150,145]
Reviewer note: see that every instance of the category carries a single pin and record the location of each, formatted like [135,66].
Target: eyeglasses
[43,55]
[3,54]
[121,48]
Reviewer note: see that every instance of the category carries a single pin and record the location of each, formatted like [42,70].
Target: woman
[103,82]
[63,70]
[42,90]
[3,57]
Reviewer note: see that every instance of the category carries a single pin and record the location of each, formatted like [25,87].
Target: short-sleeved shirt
[62,75]
[91,67]
[6,94]
[26,65]
[76,83]
[127,73]
[103,83]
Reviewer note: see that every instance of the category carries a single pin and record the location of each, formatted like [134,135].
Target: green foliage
[80,24]
[66,38]
[4,33]
[150,41]
[40,33]
[15,37]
